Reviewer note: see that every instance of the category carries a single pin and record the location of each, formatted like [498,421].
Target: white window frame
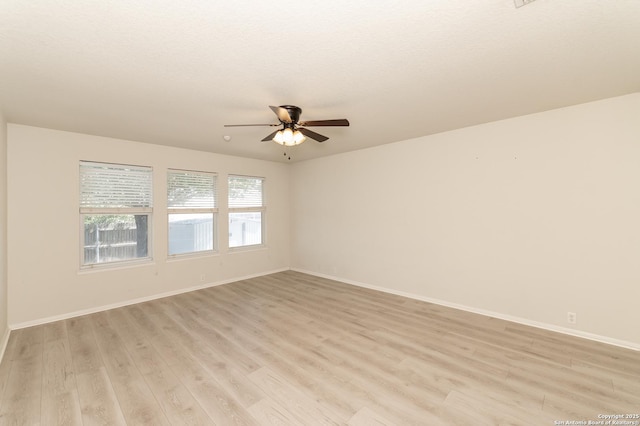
[93,211]
[251,209]
[195,210]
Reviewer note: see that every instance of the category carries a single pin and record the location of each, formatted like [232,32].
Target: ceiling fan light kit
[288,137]
[293,133]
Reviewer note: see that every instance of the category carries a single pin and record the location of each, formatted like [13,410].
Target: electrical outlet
[571,317]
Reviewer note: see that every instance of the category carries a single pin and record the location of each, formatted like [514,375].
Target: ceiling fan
[292,132]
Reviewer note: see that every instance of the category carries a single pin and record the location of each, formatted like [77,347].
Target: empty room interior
[386,213]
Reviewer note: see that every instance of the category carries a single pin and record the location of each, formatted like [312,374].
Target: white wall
[527,218]
[4,330]
[45,281]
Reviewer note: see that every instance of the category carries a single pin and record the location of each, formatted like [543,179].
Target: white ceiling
[173,72]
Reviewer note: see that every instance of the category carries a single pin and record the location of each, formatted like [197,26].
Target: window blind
[189,190]
[105,185]
[245,191]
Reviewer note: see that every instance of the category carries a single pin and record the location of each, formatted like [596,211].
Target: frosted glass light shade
[278,138]
[289,137]
[298,137]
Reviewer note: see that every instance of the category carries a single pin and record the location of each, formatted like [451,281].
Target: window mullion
[192,211]
[246,209]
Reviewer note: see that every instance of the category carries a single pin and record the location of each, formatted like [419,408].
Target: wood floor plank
[569,387]
[478,409]
[179,406]
[5,365]
[322,388]
[567,406]
[21,400]
[207,325]
[368,417]
[84,348]
[194,340]
[61,409]
[29,343]
[60,400]
[290,348]
[55,331]
[304,352]
[268,412]
[181,365]
[303,409]
[98,401]
[446,379]
[376,372]
[145,357]
[58,374]
[137,402]
[217,402]
[362,387]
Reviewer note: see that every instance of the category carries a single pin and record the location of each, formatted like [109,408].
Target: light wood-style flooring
[292,349]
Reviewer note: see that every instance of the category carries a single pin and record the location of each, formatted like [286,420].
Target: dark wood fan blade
[270,137]
[336,122]
[313,135]
[245,125]
[283,114]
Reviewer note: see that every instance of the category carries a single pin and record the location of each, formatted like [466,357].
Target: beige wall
[44,278]
[526,218]
[3,234]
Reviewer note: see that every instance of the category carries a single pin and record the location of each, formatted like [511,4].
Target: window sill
[114,266]
[256,247]
[194,255]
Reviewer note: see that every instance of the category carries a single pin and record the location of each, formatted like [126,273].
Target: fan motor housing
[294,112]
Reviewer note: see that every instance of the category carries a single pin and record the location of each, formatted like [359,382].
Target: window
[246,211]
[115,212]
[192,208]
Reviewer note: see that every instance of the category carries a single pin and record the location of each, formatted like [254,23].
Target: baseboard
[135,301]
[523,321]
[3,342]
